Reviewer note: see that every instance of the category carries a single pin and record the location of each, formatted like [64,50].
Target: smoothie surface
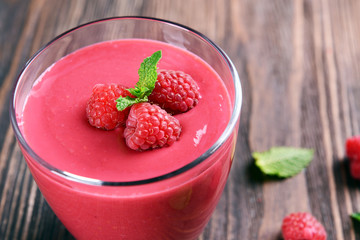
[55,125]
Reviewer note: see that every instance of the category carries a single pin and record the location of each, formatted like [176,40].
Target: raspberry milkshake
[108,174]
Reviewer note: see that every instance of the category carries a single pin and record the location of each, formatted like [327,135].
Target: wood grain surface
[299,66]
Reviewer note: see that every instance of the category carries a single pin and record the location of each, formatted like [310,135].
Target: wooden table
[299,66]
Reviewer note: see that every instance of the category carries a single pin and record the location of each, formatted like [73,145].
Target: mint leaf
[283,161]
[146,84]
[147,76]
[124,102]
[356,216]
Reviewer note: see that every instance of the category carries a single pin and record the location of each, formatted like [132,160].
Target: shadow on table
[254,174]
[343,178]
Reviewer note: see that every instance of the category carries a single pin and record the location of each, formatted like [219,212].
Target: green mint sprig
[146,84]
[283,162]
[356,216]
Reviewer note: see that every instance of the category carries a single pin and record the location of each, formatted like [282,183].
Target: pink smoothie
[54,124]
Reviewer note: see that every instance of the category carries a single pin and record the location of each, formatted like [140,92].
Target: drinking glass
[175,205]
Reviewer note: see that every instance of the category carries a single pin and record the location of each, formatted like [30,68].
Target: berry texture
[149,126]
[353,153]
[175,91]
[101,108]
[302,226]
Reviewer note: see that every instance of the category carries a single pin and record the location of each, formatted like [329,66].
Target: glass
[176,205]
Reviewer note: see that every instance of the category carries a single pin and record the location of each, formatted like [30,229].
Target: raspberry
[175,91]
[355,169]
[353,153]
[101,108]
[149,126]
[302,226]
[353,148]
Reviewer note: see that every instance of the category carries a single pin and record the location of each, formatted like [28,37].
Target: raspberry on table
[101,108]
[352,148]
[355,169]
[175,91]
[148,127]
[302,226]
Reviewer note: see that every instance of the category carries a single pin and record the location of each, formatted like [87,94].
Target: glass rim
[97,182]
